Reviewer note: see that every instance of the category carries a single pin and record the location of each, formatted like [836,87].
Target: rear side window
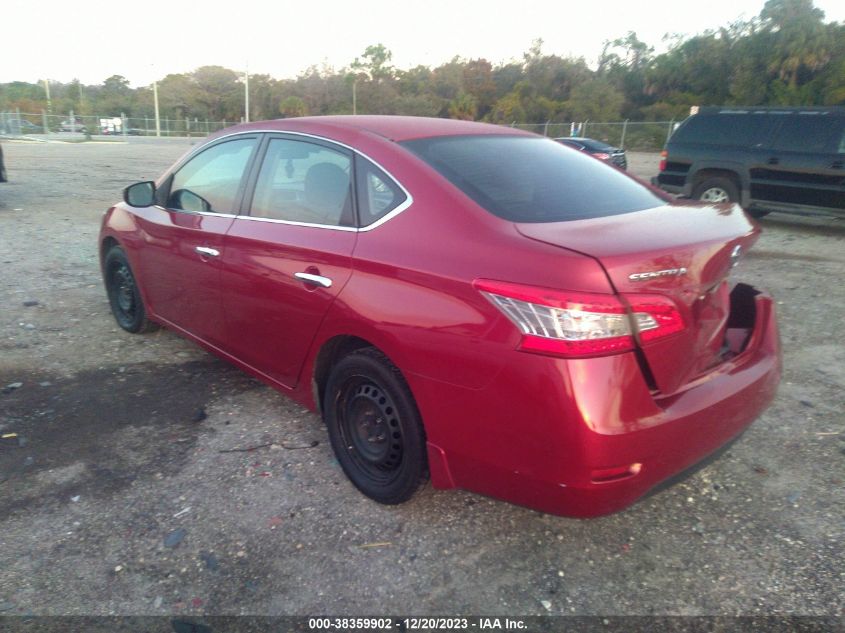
[378,195]
[740,129]
[524,179]
[810,132]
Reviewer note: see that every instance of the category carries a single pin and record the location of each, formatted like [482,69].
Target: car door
[289,257]
[803,166]
[183,236]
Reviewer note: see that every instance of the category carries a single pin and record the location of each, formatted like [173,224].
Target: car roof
[589,143]
[394,128]
[711,110]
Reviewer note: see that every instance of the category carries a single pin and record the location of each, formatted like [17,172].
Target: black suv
[790,160]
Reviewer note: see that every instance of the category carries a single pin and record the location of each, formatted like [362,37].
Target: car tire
[375,427]
[716,189]
[125,299]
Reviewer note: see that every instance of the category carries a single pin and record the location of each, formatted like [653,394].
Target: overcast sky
[146,40]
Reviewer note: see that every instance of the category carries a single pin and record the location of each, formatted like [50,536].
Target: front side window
[304,182]
[211,180]
[528,179]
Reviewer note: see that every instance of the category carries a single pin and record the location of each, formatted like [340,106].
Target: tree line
[786,55]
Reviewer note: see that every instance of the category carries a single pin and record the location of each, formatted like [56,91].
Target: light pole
[246,95]
[47,90]
[155,103]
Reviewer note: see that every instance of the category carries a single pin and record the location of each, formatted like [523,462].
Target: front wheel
[716,190]
[127,306]
[375,428]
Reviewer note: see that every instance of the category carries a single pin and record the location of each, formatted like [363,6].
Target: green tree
[293,107]
[216,93]
[478,82]
[595,100]
[508,109]
[464,106]
[375,63]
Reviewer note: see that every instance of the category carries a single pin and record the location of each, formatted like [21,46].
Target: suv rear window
[524,179]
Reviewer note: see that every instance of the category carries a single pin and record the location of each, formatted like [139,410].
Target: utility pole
[47,90]
[246,95]
[354,96]
[155,101]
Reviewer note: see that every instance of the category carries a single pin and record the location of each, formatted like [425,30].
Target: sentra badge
[653,274]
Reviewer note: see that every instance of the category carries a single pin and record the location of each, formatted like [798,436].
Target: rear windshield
[595,145]
[524,179]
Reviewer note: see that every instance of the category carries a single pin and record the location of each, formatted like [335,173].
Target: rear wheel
[127,306]
[716,189]
[374,427]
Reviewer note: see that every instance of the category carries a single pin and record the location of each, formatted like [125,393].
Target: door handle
[208,252]
[774,160]
[314,280]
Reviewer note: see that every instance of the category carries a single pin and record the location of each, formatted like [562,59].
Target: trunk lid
[683,252]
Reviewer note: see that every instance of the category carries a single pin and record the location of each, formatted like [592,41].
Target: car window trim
[239,197]
[409,200]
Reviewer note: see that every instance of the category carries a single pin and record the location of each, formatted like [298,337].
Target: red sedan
[462,301]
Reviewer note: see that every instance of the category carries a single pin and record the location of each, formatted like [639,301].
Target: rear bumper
[557,435]
[676,189]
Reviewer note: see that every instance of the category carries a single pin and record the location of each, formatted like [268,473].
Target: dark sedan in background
[597,149]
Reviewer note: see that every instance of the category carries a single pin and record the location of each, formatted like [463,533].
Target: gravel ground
[116,497]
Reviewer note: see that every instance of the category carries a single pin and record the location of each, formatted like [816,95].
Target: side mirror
[141,194]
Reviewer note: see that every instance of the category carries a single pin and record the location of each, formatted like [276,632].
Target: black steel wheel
[375,427]
[127,306]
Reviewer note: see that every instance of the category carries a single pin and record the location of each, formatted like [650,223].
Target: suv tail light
[663,155]
[580,324]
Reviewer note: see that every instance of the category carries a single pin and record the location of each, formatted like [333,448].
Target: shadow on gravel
[97,432]
[781,256]
[811,225]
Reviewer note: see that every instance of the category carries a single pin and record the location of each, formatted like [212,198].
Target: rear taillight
[579,324]
[663,156]
[601,156]
[656,316]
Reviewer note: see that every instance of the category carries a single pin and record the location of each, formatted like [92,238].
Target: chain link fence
[54,126]
[630,135]
[644,136]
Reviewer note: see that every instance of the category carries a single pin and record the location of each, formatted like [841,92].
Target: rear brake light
[663,155]
[655,316]
[601,156]
[578,324]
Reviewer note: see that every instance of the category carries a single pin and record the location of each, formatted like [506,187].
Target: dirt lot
[116,499]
